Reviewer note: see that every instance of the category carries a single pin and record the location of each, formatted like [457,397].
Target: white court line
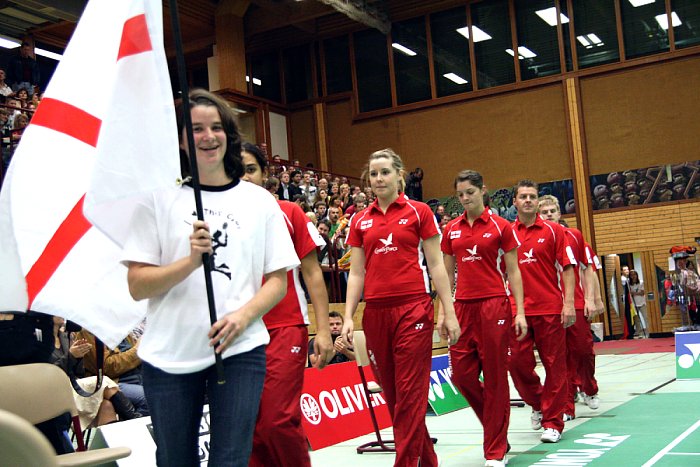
[683,454]
[672,445]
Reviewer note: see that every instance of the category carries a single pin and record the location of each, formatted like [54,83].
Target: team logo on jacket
[366,224]
[529,257]
[473,256]
[387,245]
[403,221]
[455,234]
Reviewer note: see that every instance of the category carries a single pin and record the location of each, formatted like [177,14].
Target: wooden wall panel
[303,137]
[505,137]
[642,117]
[653,229]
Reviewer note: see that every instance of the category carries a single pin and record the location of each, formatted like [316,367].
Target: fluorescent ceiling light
[47,54]
[523,52]
[479,35]
[663,20]
[12,43]
[257,82]
[403,49]
[455,78]
[549,16]
[584,42]
[637,3]
[595,39]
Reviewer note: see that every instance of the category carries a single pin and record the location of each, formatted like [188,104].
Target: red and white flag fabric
[102,137]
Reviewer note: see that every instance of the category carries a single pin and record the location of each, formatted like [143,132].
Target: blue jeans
[136,395]
[176,402]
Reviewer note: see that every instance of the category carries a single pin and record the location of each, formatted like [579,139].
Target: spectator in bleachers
[359,203]
[322,184]
[5,90]
[321,210]
[439,212]
[22,70]
[308,188]
[23,97]
[345,198]
[334,218]
[343,352]
[414,185]
[15,109]
[287,190]
[322,195]
[272,184]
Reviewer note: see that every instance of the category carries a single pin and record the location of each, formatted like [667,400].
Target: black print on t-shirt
[219,239]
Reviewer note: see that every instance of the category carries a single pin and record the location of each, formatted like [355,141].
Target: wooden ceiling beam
[360,11]
[271,15]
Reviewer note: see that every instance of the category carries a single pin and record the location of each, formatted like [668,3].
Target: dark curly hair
[233,165]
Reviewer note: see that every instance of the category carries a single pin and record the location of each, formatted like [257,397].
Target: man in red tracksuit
[579,341]
[478,243]
[545,260]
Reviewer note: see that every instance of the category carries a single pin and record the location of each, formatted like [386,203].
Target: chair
[22,444]
[40,391]
[362,359]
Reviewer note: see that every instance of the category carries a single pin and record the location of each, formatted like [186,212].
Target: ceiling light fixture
[523,52]
[404,49]
[479,35]
[549,16]
[663,20]
[11,43]
[455,78]
[636,3]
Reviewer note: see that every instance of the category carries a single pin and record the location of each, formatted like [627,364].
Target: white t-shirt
[250,239]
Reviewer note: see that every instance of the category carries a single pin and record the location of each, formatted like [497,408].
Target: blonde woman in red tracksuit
[389,241]
[478,243]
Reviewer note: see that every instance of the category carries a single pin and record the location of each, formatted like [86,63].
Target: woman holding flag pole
[244,234]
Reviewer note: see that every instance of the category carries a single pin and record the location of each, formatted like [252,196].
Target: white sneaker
[536,420]
[580,397]
[592,401]
[496,463]
[550,435]
[567,417]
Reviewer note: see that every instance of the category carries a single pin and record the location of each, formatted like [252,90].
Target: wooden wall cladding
[642,117]
[505,137]
[303,138]
[655,230]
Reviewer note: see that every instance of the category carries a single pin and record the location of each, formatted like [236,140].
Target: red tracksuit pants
[580,361]
[279,438]
[399,333]
[549,335]
[483,346]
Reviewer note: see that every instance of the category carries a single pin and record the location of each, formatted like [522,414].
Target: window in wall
[448,31]
[492,39]
[565,35]
[596,32]
[298,84]
[538,44]
[337,57]
[319,71]
[372,68]
[644,26]
[265,76]
[686,22]
[411,70]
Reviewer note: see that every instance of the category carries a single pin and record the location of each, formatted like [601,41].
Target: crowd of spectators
[19,98]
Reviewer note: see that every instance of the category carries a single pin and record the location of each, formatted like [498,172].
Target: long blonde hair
[396,163]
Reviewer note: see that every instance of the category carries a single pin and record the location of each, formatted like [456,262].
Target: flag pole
[184,89]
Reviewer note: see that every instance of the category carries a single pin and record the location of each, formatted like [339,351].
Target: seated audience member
[105,404]
[439,213]
[312,217]
[324,228]
[321,209]
[272,185]
[308,188]
[287,190]
[359,202]
[343,352]
[123,365]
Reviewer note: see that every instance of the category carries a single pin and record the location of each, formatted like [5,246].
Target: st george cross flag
[102,137]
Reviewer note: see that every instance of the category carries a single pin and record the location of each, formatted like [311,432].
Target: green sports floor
[646,418]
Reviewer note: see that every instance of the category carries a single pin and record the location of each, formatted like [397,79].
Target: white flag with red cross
[103,136]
